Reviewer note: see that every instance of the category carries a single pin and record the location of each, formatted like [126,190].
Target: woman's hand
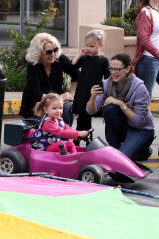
[96,90]
[112,100]
[82,133]
[67,97]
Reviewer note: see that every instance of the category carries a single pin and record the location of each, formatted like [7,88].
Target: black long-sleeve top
[39,83]
[92,69]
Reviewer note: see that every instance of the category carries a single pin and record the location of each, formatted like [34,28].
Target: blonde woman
[46,65]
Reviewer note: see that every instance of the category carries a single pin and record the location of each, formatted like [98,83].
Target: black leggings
[84,122]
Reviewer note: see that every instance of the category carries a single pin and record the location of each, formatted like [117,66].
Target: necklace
[48,70]
[154,8]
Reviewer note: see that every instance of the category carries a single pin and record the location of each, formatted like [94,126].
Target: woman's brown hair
[125,59]
[141,4]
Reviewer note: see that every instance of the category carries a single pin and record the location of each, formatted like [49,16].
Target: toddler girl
[52,130]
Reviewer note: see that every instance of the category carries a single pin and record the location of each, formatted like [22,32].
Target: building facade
[72,14]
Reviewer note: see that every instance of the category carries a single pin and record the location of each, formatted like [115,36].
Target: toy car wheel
[92,174]
[12,161]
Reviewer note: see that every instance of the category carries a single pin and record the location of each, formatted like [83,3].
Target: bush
[16,78]
[128,22]
[130,15]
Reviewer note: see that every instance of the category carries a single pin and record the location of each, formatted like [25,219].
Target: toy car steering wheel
[87,139]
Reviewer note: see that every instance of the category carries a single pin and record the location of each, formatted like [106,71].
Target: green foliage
[128,22]
[114,21]
[13,59]
[130,15]
[67,82]
[16,78]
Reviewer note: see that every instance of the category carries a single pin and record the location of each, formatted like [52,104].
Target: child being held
[52,130]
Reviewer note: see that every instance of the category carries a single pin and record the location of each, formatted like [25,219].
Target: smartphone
[100,83]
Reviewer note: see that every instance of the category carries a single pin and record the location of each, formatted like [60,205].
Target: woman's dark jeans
[131,141]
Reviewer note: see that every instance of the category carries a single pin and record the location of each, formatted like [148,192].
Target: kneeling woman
[129,124]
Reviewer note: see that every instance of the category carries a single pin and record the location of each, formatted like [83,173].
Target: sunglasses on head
[49,52]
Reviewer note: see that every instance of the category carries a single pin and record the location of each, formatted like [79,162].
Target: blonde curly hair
[37,46]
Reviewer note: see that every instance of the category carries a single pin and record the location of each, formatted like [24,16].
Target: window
[116,8]
[14,11]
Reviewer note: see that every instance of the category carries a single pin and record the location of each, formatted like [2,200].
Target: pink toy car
[90,163]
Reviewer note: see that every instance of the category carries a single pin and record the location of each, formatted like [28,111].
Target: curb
[12,106]
[154,105]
